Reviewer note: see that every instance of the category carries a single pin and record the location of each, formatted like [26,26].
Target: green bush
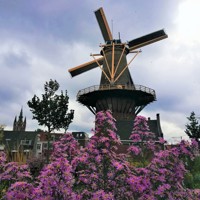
[197,180]
[189,180]
[195,168]
[192,178]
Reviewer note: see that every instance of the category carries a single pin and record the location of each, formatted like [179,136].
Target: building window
[38,137]
[53,137]
[39,146]
[45,145]
[25,142]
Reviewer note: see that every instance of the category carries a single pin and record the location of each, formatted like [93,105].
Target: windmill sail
[103,24]
[85,67]
[147,39]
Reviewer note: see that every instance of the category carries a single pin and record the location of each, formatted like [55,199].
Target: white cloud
[188,23]
[43,42]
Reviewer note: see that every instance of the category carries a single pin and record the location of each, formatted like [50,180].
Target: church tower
[20,124]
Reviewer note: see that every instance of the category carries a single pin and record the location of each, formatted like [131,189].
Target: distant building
[35,143]
[42,141]
[32,143]
[81,137]
[20,141]
[19,124]
[155,127]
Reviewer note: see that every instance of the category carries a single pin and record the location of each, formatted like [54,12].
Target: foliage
[193,127]
[144,143]
[55,181]
[165,174]
[51,110]
[10,173]
[21,190]
[1,133]
[97,172]
[67,147]
[19,155]
[35,165]
[192,177]
[39,130]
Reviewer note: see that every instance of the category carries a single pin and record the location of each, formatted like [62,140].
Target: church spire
[24,127]
[19,125]
[14,123]
[21,115]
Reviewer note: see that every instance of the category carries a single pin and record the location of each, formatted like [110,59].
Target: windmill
[117,90]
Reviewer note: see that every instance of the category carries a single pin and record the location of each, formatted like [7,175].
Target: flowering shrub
[55,181]
[35,164]
[10,173]
[102,195]
[2,159]
[96,172]
[98,169]
[2,163]
[67,147]
[165,174]
[144,143]
[21,190]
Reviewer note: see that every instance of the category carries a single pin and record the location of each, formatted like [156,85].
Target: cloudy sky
[41,40]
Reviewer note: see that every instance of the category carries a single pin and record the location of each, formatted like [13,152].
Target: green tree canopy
[193,127]
[52,109]
[1,132]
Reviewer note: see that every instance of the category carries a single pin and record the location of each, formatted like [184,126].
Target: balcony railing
[114,87]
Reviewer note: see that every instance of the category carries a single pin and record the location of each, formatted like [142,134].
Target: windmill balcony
[118,87]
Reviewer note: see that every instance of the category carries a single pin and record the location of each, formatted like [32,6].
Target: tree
[193,127]
[1,135]
[51,110]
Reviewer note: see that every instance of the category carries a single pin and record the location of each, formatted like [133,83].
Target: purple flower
[21,190]
[135,150]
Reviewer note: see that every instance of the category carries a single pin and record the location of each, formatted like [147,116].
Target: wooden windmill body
[117,91]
